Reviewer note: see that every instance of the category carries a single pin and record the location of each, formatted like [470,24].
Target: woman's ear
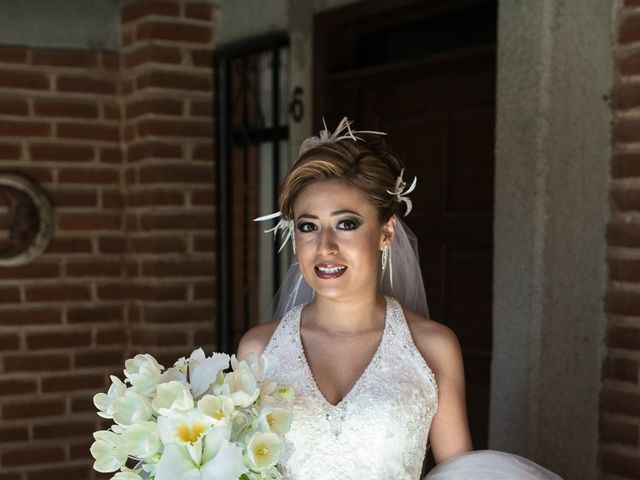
[388,232]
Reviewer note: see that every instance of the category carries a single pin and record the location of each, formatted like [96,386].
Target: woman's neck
[346,316]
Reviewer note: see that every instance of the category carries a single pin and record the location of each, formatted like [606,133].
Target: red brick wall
[620,400]
[168,175]
[122,142]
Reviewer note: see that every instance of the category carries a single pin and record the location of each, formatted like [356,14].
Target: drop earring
[385,257]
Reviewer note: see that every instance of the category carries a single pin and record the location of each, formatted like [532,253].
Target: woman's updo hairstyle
[365,164]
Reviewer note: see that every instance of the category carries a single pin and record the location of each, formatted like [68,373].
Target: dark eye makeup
[346,225]
[306,227]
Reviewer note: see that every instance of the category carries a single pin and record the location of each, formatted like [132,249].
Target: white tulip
[251,362]
[263,450]
[241,386]
[277,420]
[131,408]
[143,372]
[104,401]
[185,428]
[224,463]
[227,463]
[203,370]
[219,409]
[174,374]
[172,396]
[108,451]
[142,440]
[267,387]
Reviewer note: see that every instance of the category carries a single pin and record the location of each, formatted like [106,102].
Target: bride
[376,380]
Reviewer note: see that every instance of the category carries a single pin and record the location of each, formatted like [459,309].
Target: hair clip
[401,196]
[284,225]
[342,132]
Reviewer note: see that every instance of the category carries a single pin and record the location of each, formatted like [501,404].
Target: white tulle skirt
[489,465]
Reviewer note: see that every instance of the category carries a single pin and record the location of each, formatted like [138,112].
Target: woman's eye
[348,225]
[306,227]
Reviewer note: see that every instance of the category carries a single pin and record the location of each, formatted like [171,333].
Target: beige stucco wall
[73,24]
[552,157]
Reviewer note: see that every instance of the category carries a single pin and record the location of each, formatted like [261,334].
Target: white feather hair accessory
[342,132]
[284,225]
[401,196]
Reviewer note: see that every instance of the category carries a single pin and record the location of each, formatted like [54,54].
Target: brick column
[620,399]
[168,174]
[60,336]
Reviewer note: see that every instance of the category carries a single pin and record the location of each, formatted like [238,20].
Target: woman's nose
[327,242]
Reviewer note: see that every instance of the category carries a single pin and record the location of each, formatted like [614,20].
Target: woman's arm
[255,339]
[449,434]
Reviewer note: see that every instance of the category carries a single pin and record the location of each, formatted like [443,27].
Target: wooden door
[438,109]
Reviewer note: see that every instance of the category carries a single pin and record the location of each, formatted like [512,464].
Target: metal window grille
[252,153]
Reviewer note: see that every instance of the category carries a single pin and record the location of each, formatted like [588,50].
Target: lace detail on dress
[380,428]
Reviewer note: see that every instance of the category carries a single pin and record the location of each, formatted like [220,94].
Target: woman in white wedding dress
[375,380]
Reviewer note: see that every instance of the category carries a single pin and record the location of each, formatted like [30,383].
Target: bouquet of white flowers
[194,421]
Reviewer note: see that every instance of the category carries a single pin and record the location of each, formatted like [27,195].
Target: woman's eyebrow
[343,212]
[333,214]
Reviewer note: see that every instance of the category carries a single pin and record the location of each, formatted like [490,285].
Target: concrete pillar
[552,157]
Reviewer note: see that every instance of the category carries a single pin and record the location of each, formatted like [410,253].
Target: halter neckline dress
[379,430]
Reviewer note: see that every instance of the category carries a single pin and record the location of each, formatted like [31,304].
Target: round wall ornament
[26,220]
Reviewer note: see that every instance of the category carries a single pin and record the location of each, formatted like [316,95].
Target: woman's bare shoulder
[256,339]
[436,342]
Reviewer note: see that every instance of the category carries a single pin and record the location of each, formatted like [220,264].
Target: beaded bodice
[380,429]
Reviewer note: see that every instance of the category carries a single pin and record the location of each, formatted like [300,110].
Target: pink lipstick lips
[329,271]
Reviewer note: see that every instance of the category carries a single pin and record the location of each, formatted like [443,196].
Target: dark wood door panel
[470,160]
[442,124]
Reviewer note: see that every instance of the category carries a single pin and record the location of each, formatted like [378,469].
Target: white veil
[407,285]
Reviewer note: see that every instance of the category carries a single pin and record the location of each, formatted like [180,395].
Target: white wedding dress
[381,427]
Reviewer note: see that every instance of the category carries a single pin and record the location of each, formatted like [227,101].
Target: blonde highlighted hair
[364,164]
